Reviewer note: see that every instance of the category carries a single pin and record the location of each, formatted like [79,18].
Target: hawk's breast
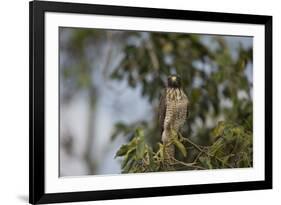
[176,108]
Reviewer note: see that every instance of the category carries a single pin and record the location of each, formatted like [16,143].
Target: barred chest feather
[176,108]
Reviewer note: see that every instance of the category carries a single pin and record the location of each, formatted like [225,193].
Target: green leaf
[180,146]
[218,145]
[140,144]
[218,131]
[140,150]
[226,159]
[130,164]
[206,162]
[152,165]
[122,150]
[139,132]
[161,151]
[129,156]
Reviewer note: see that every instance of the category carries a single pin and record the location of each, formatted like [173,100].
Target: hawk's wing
[162,110]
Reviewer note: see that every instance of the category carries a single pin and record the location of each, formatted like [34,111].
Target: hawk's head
[174,81]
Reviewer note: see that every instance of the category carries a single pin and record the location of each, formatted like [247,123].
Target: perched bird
[173,108]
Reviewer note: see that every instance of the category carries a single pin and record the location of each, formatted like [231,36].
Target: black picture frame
[37,9]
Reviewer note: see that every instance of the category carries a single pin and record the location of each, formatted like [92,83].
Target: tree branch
[203,151]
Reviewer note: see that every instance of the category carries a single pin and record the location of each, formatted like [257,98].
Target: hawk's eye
[174,78]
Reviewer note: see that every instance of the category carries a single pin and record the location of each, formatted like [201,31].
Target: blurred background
[110,84]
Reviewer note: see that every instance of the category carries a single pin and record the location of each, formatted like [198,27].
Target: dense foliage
[232,148]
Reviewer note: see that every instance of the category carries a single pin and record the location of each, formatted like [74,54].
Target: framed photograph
[140,102]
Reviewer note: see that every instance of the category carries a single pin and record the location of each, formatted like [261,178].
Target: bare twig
[191,165]
[197,157]
[203,151]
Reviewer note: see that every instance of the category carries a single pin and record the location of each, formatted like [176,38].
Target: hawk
[173,108]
